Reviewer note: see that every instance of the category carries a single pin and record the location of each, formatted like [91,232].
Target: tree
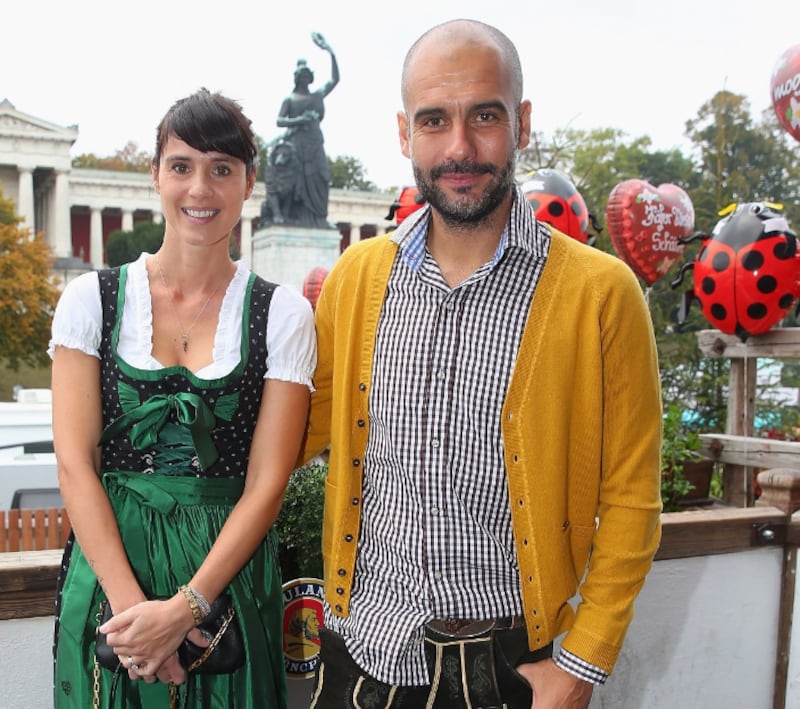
[28,294]
[741,161]
[125,246]
[348,173]
[128,159]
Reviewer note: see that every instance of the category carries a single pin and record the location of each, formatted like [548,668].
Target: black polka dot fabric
[231,438]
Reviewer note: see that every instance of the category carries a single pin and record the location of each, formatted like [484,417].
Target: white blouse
[291,339]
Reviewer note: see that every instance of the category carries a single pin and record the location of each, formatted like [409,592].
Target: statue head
[302,73]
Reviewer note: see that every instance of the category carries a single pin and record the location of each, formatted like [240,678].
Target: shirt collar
[522,231]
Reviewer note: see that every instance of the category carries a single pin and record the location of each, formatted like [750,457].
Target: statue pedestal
[286,254]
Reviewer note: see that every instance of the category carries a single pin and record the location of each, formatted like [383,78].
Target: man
[490,391]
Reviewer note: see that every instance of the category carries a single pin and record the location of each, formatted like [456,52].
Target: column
[61,240]
[355,233]
[246,240]
[25,207]
[127,220]
[96,238]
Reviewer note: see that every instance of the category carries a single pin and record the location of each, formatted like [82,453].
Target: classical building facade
[77,209]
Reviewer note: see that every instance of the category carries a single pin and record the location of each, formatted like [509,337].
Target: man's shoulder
[368,251]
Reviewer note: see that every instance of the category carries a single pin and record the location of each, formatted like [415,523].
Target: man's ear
[402,129]
[525,110]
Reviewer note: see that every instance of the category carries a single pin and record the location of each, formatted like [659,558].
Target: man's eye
[180,168]
[222,170]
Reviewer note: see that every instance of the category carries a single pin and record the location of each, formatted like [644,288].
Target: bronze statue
[297,174]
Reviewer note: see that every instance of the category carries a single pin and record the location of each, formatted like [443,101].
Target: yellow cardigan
[581,432]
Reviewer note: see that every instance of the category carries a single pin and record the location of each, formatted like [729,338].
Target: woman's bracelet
[199,606]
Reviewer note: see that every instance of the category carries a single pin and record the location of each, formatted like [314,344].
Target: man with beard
[490,392]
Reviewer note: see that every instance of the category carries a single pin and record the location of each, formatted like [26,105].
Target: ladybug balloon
[747,272]
[557,201]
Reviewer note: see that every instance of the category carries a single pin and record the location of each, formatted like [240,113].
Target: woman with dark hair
[181,384]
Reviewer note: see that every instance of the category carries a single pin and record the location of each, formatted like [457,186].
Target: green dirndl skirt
[168,525]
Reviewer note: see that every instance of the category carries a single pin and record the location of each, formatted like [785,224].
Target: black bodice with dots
[230,404]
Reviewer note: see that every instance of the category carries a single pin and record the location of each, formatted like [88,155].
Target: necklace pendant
[185,342]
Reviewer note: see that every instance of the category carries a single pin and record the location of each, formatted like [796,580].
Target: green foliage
[348,173]
[129,159]
[28,292]
[299,523]
[679,445]
[126,246]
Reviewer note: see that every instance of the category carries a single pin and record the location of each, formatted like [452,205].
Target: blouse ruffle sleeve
[78,320]
[291,338]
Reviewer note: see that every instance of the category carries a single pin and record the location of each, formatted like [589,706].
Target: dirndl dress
[174,459]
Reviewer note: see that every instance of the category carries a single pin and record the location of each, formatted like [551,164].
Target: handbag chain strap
[215,641]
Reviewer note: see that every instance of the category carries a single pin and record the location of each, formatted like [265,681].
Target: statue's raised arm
[322,43]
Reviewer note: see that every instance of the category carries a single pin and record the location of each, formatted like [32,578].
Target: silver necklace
[184,333]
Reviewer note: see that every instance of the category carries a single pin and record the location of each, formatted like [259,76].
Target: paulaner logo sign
[302,619]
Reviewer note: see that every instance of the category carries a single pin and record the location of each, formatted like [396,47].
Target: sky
[114,68]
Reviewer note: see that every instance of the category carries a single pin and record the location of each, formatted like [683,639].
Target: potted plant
[685,474]
[299,523]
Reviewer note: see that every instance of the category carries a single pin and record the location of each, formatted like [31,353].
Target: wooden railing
[33,529]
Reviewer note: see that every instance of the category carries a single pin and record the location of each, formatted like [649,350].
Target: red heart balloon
[785,90]
[645,222]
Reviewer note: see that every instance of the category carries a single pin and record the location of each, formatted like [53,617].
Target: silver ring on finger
[131,663]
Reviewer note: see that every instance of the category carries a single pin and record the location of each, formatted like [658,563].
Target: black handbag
[224,654]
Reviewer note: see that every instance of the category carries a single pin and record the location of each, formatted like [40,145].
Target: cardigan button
[341,572]
[356,462]
[361,423]
[348,537]
[362,386]
[355,500]
[338,608]
[340,591]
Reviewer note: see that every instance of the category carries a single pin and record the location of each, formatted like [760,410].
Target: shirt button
[437,575]
[435,443]
[440,374]
[434,510]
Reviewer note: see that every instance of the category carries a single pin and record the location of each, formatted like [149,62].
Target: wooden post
[778,343]
[780,487]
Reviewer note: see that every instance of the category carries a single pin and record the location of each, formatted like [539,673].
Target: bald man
[489,389]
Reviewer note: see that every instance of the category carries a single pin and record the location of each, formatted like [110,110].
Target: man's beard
[466,211]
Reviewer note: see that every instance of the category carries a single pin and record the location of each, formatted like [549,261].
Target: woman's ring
[131,663]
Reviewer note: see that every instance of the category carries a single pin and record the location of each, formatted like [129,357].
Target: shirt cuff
[580,668]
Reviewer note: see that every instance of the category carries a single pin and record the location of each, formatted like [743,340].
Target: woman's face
[201,193]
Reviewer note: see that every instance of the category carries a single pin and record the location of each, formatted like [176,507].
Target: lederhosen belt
[470,664]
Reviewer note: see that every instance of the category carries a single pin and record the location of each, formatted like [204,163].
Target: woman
[194,375]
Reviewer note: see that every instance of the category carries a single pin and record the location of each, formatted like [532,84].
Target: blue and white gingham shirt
[436,536]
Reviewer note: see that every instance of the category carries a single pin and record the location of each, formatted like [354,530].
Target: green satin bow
[146,420]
